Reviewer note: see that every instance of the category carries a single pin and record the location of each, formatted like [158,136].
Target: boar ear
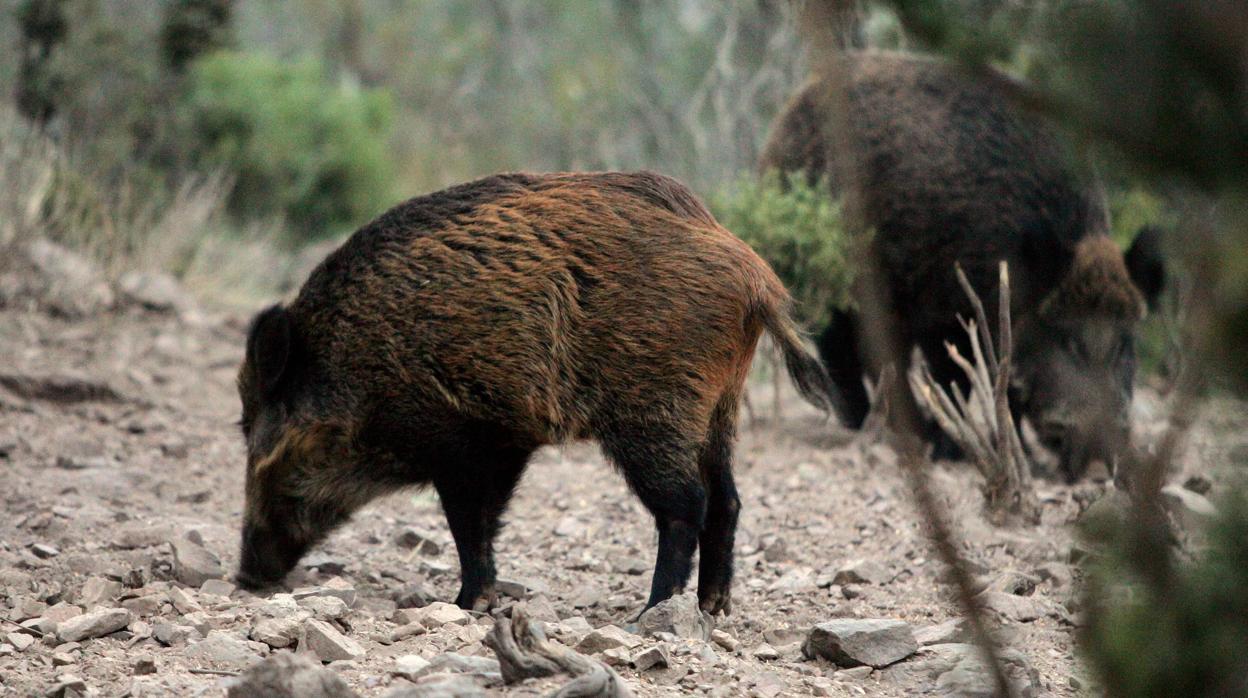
[268,347]
[1146,264]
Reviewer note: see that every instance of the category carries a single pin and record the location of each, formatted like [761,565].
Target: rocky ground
[122,493]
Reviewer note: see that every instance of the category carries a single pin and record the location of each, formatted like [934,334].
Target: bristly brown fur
[461,330]
[1097,285]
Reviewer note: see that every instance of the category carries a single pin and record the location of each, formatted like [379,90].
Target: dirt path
[97,486]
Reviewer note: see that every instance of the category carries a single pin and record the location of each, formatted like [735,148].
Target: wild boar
[948,170]
[447,340]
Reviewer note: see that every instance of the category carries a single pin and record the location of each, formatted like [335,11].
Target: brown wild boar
[447,340]
[949,171]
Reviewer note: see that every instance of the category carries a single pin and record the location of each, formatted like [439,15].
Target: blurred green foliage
[1183,636]
[798,228]
[299,143]
[192,28]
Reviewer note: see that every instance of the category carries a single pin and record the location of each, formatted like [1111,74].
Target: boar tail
[805,369]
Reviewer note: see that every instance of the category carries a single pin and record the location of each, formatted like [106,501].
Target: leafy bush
[297,144]
[797,227]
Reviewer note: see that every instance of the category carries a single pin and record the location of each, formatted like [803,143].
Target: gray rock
[438,614]
[143,535]
[278,632]
[94,624]
[765,652]
[224,650]
[325,607]
[680,616]
[657,656]
[409,666]
[174,635]
[143,665]
[724,640]
[952,630]
[193,564]
[605,638]
[286,675]
[328,644]
[217,587]
[97,590]
[337,587]
[418,541]
[154,291]
[455,663]
[413,596]
[861,572]
[44,551]
[520,589]
[20,641]
[851,642]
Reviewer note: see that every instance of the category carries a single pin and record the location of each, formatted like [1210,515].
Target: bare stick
[213,672]
[33,631]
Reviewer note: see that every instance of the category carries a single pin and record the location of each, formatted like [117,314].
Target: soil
[99,482]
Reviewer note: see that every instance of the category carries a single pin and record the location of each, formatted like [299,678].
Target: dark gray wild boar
[448,339]
[949,171]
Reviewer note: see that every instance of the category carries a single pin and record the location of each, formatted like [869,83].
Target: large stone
[605,638]
[278,632]
[194,564]
[861,572]
[680,615]
[409,666]
[286,675]
[224,650]
[328,644]
[851,642]
[656,657]
[439,613]
[97,590]
[94,624]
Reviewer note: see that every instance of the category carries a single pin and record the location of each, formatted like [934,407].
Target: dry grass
[123,223]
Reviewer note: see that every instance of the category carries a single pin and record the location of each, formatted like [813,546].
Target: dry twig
[982,423]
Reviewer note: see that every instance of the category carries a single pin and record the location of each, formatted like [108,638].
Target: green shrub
[298,144]
[1183,636]
[799,230]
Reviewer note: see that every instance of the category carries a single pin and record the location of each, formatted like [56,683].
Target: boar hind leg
[840,348]
[474,497]
[661,468]
[723,505]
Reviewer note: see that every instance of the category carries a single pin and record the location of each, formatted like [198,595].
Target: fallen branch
[213,672]
[981,423]
[524,653]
